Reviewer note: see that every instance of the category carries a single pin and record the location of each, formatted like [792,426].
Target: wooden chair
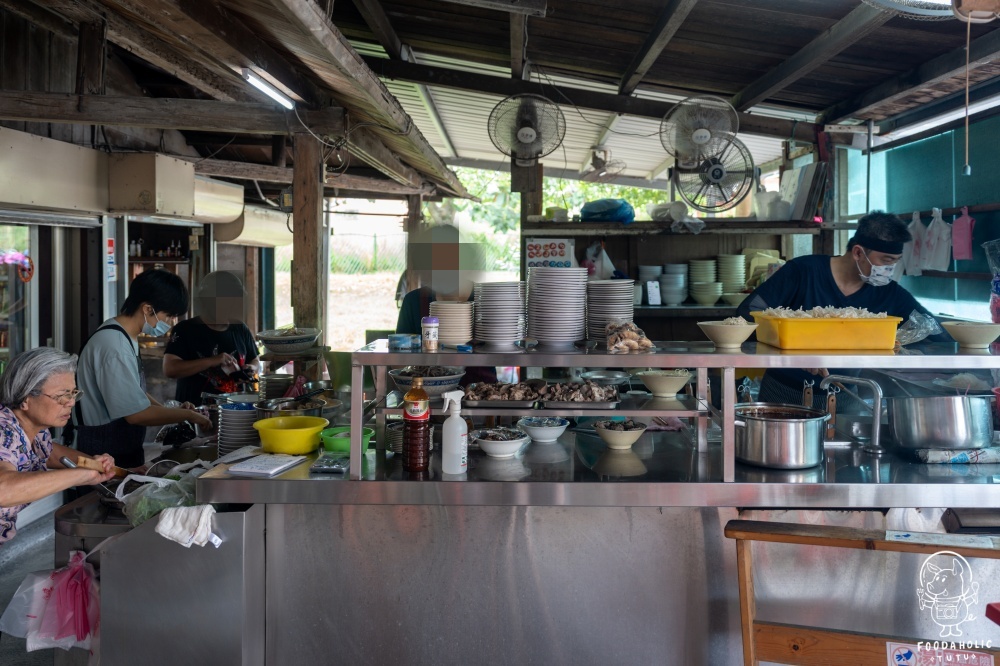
[796,644]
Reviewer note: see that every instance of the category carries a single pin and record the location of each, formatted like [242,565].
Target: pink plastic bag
[297,388]
[59,608]
[961,235]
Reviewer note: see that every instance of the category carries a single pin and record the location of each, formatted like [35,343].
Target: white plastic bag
[936,254]
[913,251]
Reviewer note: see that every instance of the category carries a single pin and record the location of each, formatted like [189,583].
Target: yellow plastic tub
[826,333]
[290,434]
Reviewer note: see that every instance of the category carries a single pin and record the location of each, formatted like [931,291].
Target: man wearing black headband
[859,278]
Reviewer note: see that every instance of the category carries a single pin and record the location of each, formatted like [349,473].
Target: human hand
[107,462]
[187,405]
[98,469]
[199,419]
[226,362]
[822,372]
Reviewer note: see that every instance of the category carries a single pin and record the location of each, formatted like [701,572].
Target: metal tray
[502,404]
[554,404]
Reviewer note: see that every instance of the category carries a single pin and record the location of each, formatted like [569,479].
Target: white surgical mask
[159,330]
[880,275]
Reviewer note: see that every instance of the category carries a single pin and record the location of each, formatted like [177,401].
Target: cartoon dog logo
[947,589]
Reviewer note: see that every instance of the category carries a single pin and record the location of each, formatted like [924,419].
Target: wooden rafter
[358,87]
[158,113]
[861,21]
[670,19]
[371,149]
[216,81]
[518,24]
[275,174]
[584,99]
[378,22]
[526,7]
[43,18]
[983,51]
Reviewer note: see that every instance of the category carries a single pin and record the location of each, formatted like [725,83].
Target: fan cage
[708,194]
[517,111]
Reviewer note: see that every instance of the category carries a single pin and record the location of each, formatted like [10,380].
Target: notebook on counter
[267,464]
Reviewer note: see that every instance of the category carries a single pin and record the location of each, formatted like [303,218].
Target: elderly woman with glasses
[37,392]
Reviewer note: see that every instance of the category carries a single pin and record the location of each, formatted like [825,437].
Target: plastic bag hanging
[936,255]
[913,250]
[961,235]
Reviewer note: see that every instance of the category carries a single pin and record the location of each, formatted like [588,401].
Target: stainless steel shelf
[682,407]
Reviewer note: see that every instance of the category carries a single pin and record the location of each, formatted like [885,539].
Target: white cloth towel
[188,525]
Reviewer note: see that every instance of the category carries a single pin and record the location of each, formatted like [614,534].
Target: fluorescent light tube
[266,88]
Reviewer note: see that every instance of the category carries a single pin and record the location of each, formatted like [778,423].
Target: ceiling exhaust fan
[602,168]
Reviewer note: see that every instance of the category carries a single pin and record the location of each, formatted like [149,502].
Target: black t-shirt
[191,339]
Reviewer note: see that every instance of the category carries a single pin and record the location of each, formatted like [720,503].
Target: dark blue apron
[120,439]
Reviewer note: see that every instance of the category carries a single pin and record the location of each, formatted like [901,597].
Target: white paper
[937,539]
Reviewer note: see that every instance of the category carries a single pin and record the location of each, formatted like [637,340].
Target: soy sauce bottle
[416,428]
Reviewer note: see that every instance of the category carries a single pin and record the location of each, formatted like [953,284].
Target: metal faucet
[873,445]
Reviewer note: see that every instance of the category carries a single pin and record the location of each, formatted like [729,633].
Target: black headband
[879,245]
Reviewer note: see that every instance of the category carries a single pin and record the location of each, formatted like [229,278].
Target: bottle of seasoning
[416,428]
[429,334]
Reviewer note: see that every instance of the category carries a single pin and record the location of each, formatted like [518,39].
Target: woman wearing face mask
[860,278]
[115,409]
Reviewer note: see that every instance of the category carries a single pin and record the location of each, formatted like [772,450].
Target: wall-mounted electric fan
[719,182]
[698,128]
[526,127]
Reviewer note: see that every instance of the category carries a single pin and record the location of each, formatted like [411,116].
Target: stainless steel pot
[283,407]
[779,436]
[941,422]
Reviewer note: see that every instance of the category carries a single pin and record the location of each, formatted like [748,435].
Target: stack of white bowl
[706,293]
[648,273]
[608,300]
[236,429]
[732,272]
[500,318]
[702,270]
[674,284]
[454,322]
[557,305]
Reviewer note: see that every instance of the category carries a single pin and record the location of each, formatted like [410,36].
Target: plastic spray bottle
[455,436]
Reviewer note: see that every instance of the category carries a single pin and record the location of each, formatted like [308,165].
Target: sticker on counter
[924,653]
[936,539]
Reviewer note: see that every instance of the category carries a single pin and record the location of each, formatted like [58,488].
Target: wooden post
[414,203]
[278,142]
[748,602]
[531,197]
[309,259]
[90,58]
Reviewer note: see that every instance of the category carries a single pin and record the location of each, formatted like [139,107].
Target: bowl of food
[437,379]
[972,335]
[543,429]
[728,333]
[734,299]
[339,438]
[620,434]
[289,340]
[290,434]
[499,442]
[664,383]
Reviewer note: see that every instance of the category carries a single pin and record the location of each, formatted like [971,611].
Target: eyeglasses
[66,397]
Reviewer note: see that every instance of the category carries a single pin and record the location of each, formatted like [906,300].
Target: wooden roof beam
[518,26]
[160,113]
[669,20]
[359,87]
[526,7]
[219,83]
[283,175]
[585,99]
[43,18]
[981,52]
[861,21]
[378,22]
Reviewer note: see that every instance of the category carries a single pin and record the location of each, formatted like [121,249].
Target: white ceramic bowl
[497,449]
[663,383]
[433,386]
[725,336]
[972,335]
[543,429]
[734,299]
[276,343]
[619,439]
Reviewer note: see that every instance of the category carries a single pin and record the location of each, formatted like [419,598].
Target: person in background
[214,352]
[115,409]
[859,278]
[37,392]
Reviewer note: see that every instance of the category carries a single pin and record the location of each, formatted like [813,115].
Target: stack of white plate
[455,322]
[236,429]
[394,437]
[647,273]
[500,318]
[674,288]
[557,303]
[732,272]
[275,386]
[607,300]
[706,293]
[702,270]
